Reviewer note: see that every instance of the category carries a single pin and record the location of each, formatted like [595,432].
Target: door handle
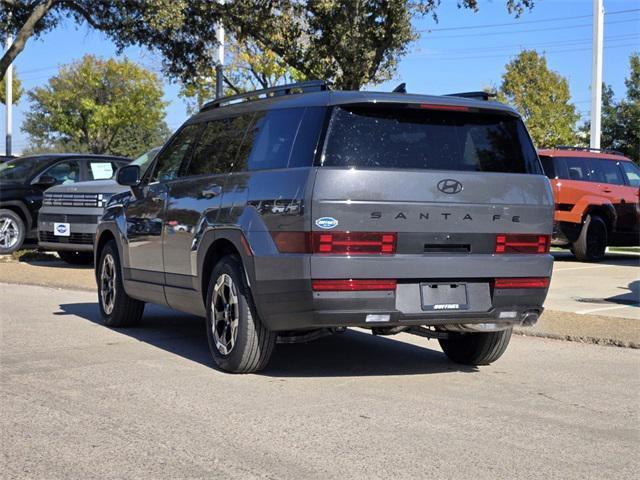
[606,190]
[212,191]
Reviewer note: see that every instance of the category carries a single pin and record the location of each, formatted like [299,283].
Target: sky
[463,51]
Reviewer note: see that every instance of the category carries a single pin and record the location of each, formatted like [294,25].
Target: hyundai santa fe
[289,213]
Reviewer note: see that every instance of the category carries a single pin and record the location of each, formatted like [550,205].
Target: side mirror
[44,181]
[129,176]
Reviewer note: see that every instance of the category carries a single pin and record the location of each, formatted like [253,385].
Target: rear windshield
[407,138]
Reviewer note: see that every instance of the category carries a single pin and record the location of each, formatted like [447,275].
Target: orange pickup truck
[596,200]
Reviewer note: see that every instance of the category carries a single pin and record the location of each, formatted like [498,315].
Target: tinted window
[100,170]
[372,137]
[219,147]
[548,167]
[274,134]
[306,143]
[170,160]
[607,171]
[580,169]
[632,172]
[21,169]
[65,172]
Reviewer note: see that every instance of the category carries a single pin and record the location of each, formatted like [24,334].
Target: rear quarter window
[411,138]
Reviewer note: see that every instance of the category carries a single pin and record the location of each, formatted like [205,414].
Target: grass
[625,249]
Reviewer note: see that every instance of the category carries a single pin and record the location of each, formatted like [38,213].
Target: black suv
[292,212]
[23,181]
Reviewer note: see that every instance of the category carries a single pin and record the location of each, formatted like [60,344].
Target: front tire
[116,307]
[76,258]
[476,348]
[592,242]
[238,341]
[12,231]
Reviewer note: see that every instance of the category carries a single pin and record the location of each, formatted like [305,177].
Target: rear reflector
[522,243]
[354,243]
[352,285]
[534,282]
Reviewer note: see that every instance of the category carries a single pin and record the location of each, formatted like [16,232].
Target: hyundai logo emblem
[449,185]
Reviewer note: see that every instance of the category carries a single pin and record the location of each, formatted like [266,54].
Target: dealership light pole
[220,62]
[596,73]
[8,77]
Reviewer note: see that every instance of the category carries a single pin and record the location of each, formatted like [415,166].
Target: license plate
[444,296]
[62,229]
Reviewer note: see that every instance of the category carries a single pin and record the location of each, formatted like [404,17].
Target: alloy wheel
[225,313]
[9,232]
[108,284]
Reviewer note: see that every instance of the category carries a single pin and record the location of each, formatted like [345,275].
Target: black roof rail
[486,96]
[278,90]
[589,149]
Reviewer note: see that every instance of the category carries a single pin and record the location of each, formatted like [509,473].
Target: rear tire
[76,258]
[238,341]
[116,307]
[12,231]
[592,242]
[476,348]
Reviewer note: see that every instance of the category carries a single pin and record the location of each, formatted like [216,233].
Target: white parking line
[591,310]
[582,268]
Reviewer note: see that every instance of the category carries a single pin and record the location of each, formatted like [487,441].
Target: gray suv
[70,212]
[288,213]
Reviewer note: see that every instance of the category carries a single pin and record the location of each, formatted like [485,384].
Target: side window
[100,170]
[219,146]
[65,172]
[579,169]
[169,161]
[608,171]
[276,132]
[304,148]
[632,172]
[548,166]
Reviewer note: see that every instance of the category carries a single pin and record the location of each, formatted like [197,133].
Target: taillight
[354,243]
[450,108]
[533,282]
[352,285]
[522,243]
[336,243]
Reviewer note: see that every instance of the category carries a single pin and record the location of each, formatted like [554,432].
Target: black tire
[125,311]
[13,242]
[76,258]
[476,348]
[592,242]
[250,348]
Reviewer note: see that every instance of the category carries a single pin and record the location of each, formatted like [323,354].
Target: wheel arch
[606,211]
[102,238]
[21,210]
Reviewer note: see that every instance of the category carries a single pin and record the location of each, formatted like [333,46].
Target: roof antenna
[402,88]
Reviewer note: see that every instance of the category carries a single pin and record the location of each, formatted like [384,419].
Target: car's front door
[145,213]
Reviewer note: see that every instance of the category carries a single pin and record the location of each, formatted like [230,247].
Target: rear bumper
[285,301]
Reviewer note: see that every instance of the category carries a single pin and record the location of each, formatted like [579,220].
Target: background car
[70,212]
[23,181]
[596,200]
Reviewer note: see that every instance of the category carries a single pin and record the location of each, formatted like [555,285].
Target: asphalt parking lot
[83,401]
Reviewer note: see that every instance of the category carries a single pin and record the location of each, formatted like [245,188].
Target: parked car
[415,213]
[6,158]
[69,215]
[23,181]
[596,199]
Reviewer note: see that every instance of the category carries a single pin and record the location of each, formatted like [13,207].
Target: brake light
[354,243]
[534,282]
[451,108]
[522,243]
[352,285]
[336,243]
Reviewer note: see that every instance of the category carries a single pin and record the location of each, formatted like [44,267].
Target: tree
[542,98]
[352,42]
[621,120]
[16,89]
[99,106]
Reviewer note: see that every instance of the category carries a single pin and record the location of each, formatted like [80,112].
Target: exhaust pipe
[530,318]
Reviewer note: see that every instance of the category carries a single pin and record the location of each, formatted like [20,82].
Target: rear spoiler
[486,96]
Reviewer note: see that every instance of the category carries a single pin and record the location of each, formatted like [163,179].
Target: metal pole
[8,77]
[596,73]
[220,63]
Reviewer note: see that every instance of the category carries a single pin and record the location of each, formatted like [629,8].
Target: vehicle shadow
[353,353]
[56,263]
[616,259]
[630,298]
